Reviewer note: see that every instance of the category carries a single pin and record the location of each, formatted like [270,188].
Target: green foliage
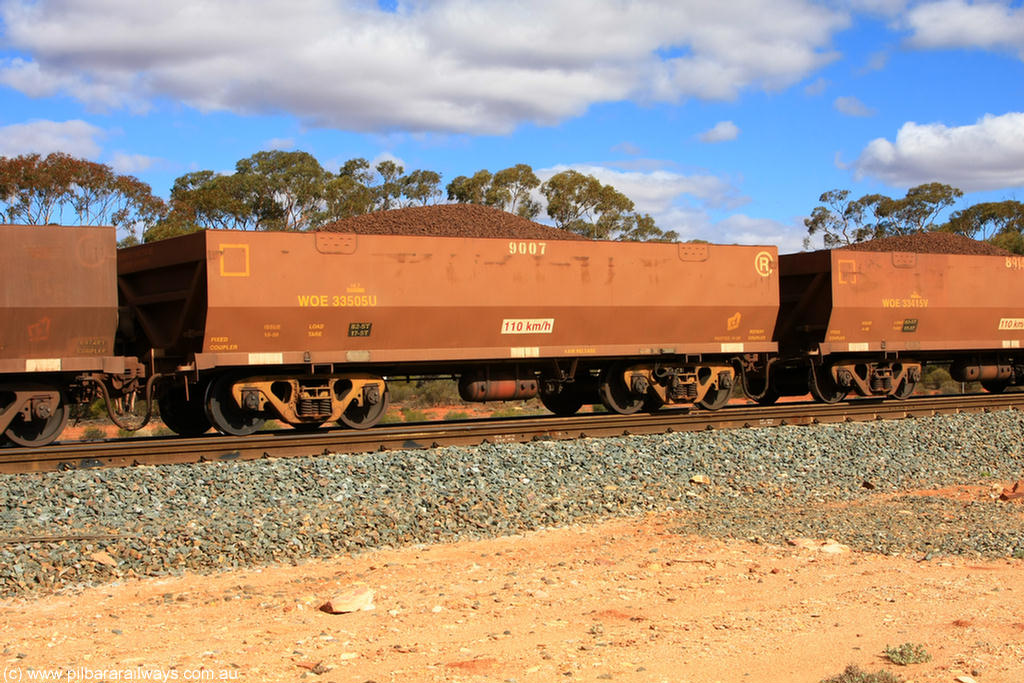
[839,220]
[349,194]
[95,409]
[282,190]
[842,221]
[413,415]
[457,415]
[509,190]
[854,674]
[937,378]
[60,188]
[470,190]
[93,434]
[424,393]
[917,211]
[581,204]
[908,653]
[524,409]
[1010,241]
[1001,223]
[289,191]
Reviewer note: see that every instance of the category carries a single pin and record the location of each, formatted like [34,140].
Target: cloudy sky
[725,120]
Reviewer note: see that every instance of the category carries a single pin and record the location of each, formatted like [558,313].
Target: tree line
[841,220]
[279,190]
[291,191]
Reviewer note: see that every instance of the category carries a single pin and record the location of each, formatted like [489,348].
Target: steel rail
[290,443]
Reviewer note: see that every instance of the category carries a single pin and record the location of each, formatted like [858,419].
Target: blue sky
[724,120]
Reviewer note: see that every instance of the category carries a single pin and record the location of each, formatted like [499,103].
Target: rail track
[290,443]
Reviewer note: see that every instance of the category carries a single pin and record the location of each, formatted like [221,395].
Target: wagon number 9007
[527,248]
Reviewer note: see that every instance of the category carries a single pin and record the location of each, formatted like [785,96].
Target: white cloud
[388,156]
[279,143]
[132,164]
[476,66]
[656,192]
[75,137]
[817,87]
[742,229]
[684,203]
[628,148]
[676,201]
[851,106]
[884,7]
[956,23]
[723,131]
[987,155]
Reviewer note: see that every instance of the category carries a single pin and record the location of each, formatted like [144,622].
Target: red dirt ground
[625,600]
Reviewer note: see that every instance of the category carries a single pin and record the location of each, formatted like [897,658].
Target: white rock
[357,599]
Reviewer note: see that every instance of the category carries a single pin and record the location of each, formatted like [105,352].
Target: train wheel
[565,402]
[994,386]
[614,393]
[224,413]
[653,403]
[184,416]
[715,398]
[905,390]
[41,431]
[367,415]
[823,389]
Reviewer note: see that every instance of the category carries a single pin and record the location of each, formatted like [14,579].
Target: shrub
[93,434]
[425,393]
[907,653]
[853,674]
[270,426]
[412,415]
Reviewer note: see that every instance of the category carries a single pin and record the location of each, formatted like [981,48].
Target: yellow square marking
[234,260]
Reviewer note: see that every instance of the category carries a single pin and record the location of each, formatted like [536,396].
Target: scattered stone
[701,479]
[829,547]
[313,667]
[449,220]
[103,558]
[358,599]
[930,243]
[770,484]
[1016,492]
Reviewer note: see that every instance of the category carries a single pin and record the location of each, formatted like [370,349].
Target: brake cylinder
[972,371]
[497,384]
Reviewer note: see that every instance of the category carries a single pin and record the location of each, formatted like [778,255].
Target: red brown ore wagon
[866,321]
[58,299]
[306,327]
